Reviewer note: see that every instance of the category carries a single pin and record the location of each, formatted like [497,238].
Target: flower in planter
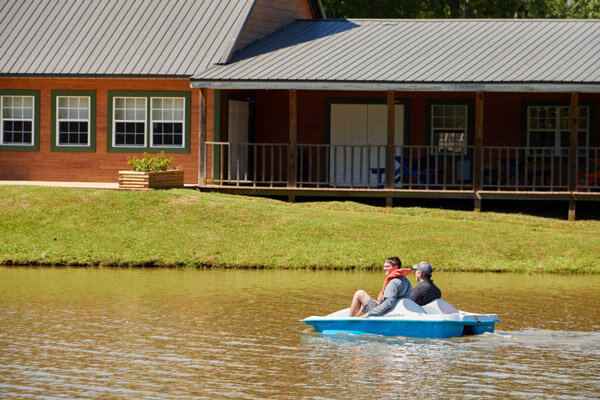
[150,162]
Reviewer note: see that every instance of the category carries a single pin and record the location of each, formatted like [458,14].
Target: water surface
[182,334]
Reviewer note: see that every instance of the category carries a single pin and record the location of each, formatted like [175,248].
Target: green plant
[150,162]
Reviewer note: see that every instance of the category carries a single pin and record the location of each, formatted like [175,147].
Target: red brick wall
[99,166]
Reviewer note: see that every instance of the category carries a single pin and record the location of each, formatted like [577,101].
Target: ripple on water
[171,335]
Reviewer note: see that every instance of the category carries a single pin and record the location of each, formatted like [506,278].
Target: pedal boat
[437,319]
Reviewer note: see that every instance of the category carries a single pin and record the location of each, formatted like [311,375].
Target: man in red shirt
[395,287]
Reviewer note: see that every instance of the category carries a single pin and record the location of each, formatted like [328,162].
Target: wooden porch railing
[503,168]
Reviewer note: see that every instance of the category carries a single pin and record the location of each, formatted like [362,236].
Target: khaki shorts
[369,306]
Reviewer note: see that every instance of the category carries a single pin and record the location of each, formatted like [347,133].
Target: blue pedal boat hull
[423,326]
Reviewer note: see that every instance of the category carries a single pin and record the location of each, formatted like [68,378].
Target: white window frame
[68,119]
[557,130]
[23,119]
[182,121]
[125,120]
[451,147]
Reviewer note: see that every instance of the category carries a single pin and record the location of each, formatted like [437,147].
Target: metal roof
[418,54]
[117,37]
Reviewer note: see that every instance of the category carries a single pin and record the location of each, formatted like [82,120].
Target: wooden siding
[269,15]
[100,166]
[502,124]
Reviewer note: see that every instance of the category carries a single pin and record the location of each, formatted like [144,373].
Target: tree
[462,8]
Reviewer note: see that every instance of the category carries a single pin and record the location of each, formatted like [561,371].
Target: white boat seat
[341,313]
[439,306]
[406,306]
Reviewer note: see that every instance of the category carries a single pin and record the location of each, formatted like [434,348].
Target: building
[279,101]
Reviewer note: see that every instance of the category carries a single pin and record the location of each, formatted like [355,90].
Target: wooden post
[390,161]
[293,136]
[389,201]
[478,148]
[572,208]
[202,139]
[573,152]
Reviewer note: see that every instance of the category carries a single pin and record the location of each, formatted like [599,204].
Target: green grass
[53,226]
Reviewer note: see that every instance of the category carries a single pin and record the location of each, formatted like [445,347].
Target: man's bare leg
[358,302]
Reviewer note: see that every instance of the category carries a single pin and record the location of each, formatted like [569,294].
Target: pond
[217,334]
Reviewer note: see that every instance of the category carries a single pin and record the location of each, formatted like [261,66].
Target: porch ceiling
[440,55]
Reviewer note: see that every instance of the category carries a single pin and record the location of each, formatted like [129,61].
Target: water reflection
[152,334]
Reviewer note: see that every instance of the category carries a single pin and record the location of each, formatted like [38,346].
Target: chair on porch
[590,177]
[424,176]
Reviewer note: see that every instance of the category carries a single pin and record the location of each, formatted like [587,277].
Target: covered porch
[292,151]
[408,108]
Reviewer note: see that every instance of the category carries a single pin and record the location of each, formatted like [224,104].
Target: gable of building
[269,15]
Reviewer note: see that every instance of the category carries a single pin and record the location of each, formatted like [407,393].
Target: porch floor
[403,193]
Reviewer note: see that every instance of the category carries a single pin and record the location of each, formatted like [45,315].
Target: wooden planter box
[150,180]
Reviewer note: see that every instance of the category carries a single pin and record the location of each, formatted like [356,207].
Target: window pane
[565,139]
[178,104]
[582,139]
[6,112]
[541,139]
[451,141]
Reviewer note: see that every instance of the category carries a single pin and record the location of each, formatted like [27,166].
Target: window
[449,128]
[130,121]
[167,121]
[548,128]
[73,121]
[19,120]
[149,121]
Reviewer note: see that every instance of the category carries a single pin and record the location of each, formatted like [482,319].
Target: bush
[150,162]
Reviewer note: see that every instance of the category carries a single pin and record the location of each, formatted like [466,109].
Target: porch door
[353,128]
[237,128]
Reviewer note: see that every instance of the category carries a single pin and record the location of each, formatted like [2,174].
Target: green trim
[365,100]
[148,94]
[91,148]
[470,119]
[217,134]
[36,119]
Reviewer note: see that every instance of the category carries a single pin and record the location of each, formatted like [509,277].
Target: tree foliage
[583,9]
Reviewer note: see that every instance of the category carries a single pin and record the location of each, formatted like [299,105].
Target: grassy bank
[53,226]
